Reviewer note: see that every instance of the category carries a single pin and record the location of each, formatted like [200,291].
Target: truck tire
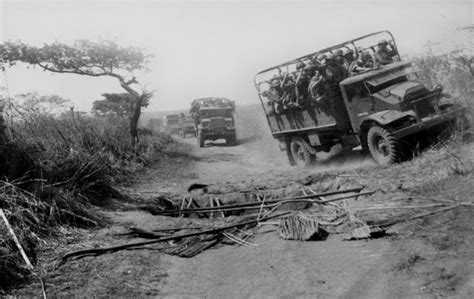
[300,154]
[384,148]
[200,140]
[231,141]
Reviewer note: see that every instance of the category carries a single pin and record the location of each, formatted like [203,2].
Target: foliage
[97,59]
[84,57]
[40,104]
[56,168]
[452,67]
[120,104]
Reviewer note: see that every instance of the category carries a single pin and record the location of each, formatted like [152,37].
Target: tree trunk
[134,120]
[3,126]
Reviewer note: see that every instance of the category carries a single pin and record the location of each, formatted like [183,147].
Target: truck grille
[217,123]
[425,106]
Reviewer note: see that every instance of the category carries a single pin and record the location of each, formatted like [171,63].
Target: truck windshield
[383,81]
[207,113]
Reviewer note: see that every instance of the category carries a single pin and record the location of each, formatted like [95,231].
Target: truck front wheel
[300,155]
[384,148]
[200,140]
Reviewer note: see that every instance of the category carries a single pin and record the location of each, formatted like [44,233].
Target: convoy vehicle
[186,127]
[214,119]
[171,123]
[385,110]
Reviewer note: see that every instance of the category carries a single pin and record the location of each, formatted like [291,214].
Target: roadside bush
[451,73]
[55,169]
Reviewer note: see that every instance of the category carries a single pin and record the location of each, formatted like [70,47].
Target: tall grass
[453,75]
[53,170]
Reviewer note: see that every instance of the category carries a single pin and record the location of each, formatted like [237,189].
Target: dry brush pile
[55,170]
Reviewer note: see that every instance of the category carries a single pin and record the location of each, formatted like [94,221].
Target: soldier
[316,86]
[275,94]
[321,58]
[339,55]
[348,58]
[363,64]
[333,72]
[289,92]
[385,52]
[302,84]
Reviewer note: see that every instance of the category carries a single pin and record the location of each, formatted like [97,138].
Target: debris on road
[189,205]
[98,251]
[325,213]
[301,228]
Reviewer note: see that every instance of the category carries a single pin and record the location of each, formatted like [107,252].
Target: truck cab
[214,118]
[171,123]
[186,126]
[392,103]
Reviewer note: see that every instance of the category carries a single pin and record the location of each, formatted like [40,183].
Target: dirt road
[426,258]
[276,268]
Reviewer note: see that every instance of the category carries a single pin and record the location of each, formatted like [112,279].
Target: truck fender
[387,117]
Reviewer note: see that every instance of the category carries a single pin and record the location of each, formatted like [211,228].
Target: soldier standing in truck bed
[334,72]
[289,92]
[339,56]
[275,95]
[363,64]
[348,58]
[385,53]
[302,84]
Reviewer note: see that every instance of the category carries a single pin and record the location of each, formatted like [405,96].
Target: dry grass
[55,169]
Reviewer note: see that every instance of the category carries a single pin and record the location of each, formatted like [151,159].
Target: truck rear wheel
[300,154]
[384,148]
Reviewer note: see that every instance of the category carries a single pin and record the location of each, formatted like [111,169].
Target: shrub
[54,169]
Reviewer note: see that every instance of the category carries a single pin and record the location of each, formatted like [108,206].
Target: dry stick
[345,197]
[218,202]
[401,207]
[85,219]
[97,251]
[256,205]
[393,222]
[15,239]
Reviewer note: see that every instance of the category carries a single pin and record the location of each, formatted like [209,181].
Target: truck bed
[292,120]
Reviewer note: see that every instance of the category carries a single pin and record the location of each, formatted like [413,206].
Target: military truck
[171,123]
[214,119]
[384,110]
[186,126]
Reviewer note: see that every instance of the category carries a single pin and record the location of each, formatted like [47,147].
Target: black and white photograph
[236,149]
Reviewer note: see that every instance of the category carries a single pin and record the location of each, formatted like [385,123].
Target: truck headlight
[228,123]
[205,124]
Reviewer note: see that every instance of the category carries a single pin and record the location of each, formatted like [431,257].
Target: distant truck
[186,126]
[214,119]
[385,109]
[171,123]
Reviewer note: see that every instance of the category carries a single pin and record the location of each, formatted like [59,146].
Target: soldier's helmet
[321,57]
[347,51]
[275,82]
[366,56]
[382,42]
[300,65]
[309,67]
[338,52]
[330,56]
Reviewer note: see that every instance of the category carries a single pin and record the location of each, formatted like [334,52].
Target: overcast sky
[210,48]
